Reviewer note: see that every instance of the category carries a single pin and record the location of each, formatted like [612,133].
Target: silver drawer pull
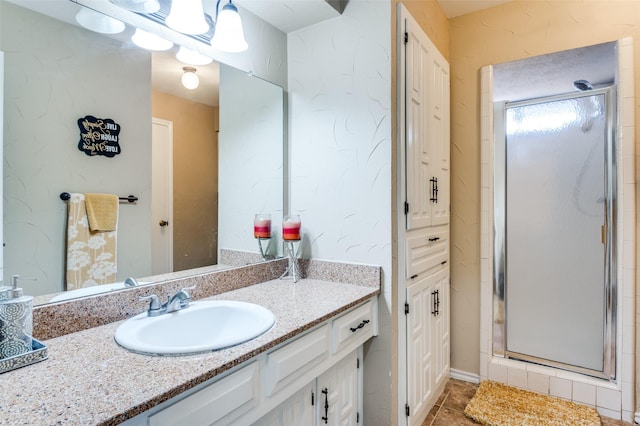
[362,324]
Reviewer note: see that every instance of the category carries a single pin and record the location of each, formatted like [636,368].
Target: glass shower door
[556,241]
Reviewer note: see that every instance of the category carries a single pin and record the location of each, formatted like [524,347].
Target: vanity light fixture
[139,6]
[189,79]
[150,41]
[191,57]
[228,35]
[187,17]
[98,22]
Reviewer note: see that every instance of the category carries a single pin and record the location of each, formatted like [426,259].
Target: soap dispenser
[16,322]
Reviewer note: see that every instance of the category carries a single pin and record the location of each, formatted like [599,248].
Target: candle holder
[262,231]
[293,269]
[264,251]
[291,225]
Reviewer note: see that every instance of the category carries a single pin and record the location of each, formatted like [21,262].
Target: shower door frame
[610,266]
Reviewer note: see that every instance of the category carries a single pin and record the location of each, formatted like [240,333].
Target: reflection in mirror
[55,73]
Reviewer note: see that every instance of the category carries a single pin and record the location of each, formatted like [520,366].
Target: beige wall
[505,33]
[431,19]
[195,179]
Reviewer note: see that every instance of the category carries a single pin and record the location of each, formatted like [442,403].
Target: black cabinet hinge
[357,362]
[406,207]
[406,308]
[358,417]
[407,410]
[406,38]
[313,399]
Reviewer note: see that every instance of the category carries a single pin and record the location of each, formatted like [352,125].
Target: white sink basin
[202,326]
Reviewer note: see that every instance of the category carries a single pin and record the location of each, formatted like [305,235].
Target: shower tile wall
[612,399]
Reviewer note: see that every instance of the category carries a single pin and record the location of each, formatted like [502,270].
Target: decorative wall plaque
[99,136]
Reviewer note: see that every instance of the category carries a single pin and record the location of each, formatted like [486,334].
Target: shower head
[582,85]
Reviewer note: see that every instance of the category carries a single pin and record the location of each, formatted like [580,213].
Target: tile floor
[449,409]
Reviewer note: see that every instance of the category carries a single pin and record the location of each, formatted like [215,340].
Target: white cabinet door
[440,328]
[419,162]
[438,124]
[427,341]
[427,134]
[338,391]
[296,411]
[419,346]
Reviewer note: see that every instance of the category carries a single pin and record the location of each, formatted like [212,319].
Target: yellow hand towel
[102,212]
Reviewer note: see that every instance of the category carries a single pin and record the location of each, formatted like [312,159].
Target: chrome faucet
[179,301]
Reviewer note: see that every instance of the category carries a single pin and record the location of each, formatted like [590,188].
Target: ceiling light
[150,41]
[191,57]
[98,22]
[187,17]
[228,35]
[139,6]
[189,79]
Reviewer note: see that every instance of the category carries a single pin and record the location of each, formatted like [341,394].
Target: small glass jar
[291,227]
[262,225]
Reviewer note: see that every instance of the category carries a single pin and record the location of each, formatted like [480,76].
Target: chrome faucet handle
[155,307]
[188,288]
[187,300]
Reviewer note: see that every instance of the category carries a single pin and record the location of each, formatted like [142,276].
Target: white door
[337,397]
[162,197]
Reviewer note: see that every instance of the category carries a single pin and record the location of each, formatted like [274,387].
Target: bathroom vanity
[310,359]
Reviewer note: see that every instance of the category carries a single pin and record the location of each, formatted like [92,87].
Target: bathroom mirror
[56,73]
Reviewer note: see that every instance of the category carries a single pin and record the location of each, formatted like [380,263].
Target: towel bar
[65,196]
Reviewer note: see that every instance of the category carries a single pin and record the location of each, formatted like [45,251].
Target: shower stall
[554,231]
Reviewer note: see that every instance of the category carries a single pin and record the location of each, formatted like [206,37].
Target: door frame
[500,254]
[503,370]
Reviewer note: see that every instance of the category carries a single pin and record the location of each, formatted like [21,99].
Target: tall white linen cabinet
[423,228]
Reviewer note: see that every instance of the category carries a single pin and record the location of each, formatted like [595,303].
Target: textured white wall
[55,74]
[340,158]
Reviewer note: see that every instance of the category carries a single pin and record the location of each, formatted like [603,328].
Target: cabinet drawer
[287,363]
[353,328]
[217,404]
[427,250]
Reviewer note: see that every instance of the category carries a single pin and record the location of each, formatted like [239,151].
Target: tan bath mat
[495,404]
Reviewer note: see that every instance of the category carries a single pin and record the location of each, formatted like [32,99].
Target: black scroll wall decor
[99,136]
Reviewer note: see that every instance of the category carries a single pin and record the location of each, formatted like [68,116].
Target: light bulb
[191,57]
[189,79]
[229,35]
[187,17]
[150,41]
[98,22]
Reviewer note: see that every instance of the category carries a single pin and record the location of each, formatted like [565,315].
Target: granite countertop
[90,380]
